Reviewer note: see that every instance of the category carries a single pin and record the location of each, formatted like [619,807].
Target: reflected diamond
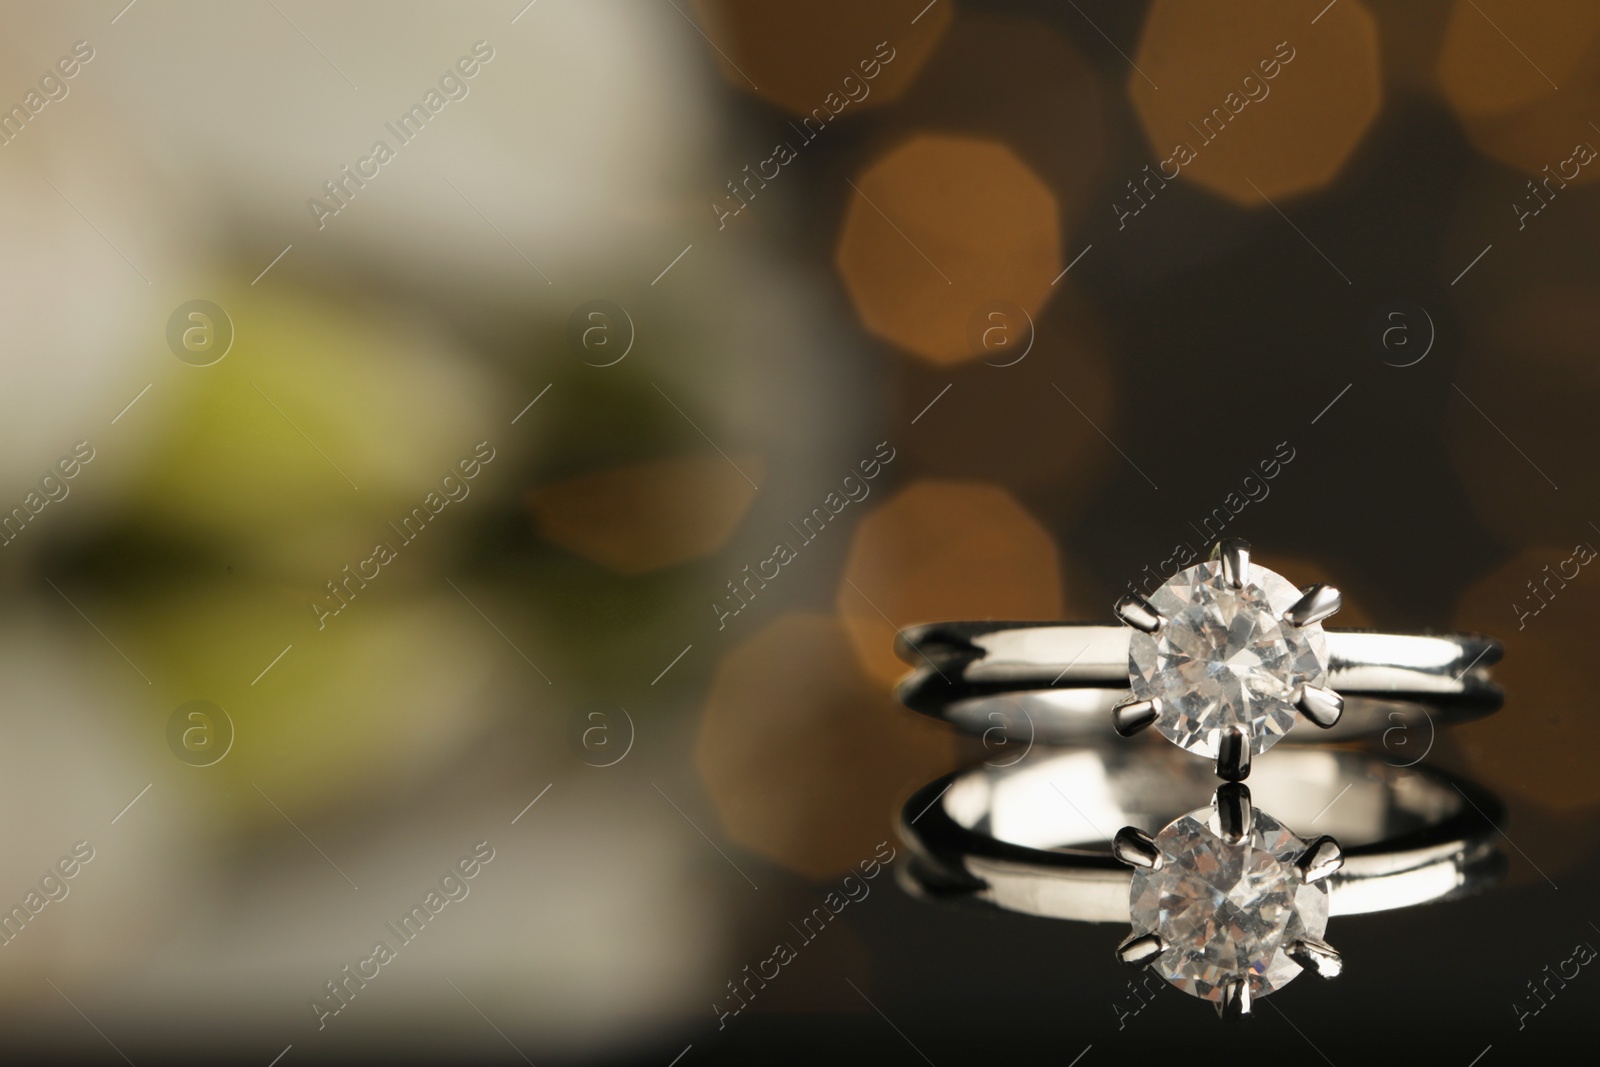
[1225,911]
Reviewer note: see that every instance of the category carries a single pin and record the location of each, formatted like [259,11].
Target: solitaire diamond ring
[1226,902]
[1225,659]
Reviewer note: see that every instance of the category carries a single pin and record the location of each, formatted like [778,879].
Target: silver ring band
[1057,682]
[1035,837]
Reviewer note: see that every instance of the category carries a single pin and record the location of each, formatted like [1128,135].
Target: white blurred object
[600,920]
[184,156]
[564,133]
[71,770]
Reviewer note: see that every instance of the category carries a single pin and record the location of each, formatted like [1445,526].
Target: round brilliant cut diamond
[1225,657]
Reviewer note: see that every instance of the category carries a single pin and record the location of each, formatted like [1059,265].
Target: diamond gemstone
[1225,911]
[1225,657]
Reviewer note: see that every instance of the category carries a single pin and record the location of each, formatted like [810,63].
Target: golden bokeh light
[940,228]
[1505,94]
[1479,66]
[819,58]
[645,516]
[1019,81]
[1541,744]
[944,550]
[805,760]
[1254,98]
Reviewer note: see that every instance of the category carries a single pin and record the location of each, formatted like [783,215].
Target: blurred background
[505,437]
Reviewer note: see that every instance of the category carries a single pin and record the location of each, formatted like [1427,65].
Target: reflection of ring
[1226,903]
[1223,659]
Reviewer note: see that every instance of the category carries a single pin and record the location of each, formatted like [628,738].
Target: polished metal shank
[1058,683]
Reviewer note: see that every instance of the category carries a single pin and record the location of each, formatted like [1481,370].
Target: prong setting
[1140,949]
[1136,848]
[1235,815]
[1234,555]
[1131,716]
[1321,705]
[1136,611]
[1317,604]
[1319,957]
[1320,859]
[1233,754]
[1236,999]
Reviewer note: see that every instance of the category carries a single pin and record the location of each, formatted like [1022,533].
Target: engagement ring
[1224,659]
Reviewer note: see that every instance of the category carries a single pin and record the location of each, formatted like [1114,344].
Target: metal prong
[1140,949]
[1233,754]
[1234,555]
[1136,611]
[1131,716]
[1235,815]
[1316,956]
[1321,858]
[1317,604]
[1136,848]
[1321,705]
[1236,999]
